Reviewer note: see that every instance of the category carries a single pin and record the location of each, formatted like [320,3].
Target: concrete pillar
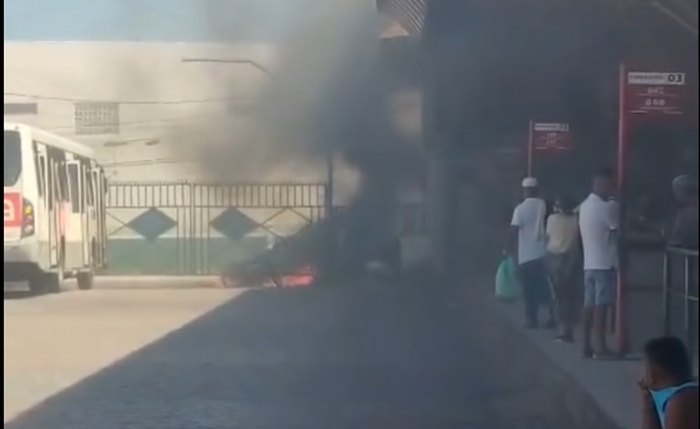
[441,204]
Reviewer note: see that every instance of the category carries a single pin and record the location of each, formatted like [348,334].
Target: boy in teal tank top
[669,392]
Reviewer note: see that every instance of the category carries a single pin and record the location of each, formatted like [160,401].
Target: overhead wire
[137,123]
[126,102]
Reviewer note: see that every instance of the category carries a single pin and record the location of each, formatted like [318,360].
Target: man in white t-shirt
[598,223]
[528,225]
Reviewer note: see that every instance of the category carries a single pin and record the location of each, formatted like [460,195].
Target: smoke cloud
[328,93]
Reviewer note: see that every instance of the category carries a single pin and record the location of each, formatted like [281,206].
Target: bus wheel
[85,280]
[53,282]
[36,283]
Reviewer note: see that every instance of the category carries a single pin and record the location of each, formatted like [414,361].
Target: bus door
[80,234]
[53,216]
[42,205]
[91,230]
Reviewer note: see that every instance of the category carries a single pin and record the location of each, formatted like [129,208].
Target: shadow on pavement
[365,357]
[18,294]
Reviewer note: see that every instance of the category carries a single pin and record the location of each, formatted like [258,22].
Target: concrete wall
[165,106]
[154,88]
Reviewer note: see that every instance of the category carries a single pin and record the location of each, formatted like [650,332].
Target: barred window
[96,118]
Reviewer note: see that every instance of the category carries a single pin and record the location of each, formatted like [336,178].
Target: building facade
[128,100]
[170,113]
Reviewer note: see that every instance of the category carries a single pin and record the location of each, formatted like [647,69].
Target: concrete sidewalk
[612,384]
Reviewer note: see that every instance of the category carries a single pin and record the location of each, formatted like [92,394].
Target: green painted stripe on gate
[170,256]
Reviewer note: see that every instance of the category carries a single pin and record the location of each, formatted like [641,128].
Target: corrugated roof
[657,34]
[683,12]
[652,28]
[409,13]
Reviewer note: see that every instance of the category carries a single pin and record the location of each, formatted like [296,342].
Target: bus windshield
[13,157]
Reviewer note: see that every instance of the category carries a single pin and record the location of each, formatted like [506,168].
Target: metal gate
[189,228]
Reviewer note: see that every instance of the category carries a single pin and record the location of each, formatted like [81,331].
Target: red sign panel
[13,210]
[551,136]
[654,94]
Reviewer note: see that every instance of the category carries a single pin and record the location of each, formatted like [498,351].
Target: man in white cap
[528,226]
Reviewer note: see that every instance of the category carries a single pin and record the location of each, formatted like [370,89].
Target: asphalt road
[53,341]
[368,356]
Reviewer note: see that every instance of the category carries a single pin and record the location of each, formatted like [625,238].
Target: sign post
[621,307]
[529,149]
[643,95]
[547,137]
[652,94]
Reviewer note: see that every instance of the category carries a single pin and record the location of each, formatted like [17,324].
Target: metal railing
[686,291]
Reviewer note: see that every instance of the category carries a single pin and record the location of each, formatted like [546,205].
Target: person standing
[528,229]
[563,263]
[598,226]
[685,225]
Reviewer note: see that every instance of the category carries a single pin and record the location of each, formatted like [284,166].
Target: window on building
[96,118]
[20,109]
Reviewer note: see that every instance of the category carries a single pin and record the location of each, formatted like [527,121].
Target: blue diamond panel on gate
[151,224]
[233,224]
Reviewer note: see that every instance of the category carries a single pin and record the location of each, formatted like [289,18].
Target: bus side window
[63,182]
[74,186]
[50,183]
[89,186]
[45,183]
[60,196]
[37,169]
[60,185]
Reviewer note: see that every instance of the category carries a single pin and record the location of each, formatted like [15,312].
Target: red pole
[622,128]
[622,142]
[529,149]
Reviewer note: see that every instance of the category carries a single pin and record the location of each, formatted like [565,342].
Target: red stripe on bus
[12,209]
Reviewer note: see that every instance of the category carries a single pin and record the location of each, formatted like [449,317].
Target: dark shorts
[533,277]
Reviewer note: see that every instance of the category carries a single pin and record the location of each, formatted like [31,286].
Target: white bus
[54,204]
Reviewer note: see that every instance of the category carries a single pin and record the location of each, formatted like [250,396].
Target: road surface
[368,356]
[53,341]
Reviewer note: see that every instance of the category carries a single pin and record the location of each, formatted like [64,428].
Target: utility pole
[330,239]
[329,183]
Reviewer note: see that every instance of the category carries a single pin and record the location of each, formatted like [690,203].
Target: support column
[441,213]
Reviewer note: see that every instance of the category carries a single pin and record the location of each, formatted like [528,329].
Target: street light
[251,63]
[147,141]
